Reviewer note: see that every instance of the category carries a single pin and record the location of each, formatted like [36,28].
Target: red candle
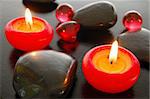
[29,33]
[111,69]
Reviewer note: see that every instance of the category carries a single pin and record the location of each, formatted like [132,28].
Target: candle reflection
[89,92]
[14,56]
[67,46]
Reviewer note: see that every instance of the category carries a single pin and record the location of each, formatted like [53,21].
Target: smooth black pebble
[137,42]
[42,6]
[97,15]
[44,74]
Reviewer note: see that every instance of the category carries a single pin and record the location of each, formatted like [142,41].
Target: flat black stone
[97,15]
[44,74]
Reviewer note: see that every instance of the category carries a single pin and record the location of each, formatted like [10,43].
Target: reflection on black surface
[14,56]
[67,47]
[73,85]
[40,7]
[95,36]
[89,92]
[144,65]
[68,94]
[17,96]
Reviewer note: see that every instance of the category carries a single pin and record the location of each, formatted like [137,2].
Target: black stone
[42,6]
[44,74]
[137,42]
[97,15]
[42,1]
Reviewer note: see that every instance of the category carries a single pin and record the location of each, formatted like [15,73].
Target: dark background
[10,9]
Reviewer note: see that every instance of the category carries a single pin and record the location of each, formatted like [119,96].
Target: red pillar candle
[112,71]
[29,33]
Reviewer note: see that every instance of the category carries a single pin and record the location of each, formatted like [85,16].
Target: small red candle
[111,69]
[29,33]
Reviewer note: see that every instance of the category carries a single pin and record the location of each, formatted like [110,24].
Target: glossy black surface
[44,74]
[87,39]
[97,15]
[40,6]
[140,40]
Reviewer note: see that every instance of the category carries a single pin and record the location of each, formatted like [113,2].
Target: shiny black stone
[42,1]
[97,15]
[137,42]
[46,74]
[40,5]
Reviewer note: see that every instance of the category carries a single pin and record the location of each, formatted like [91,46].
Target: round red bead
[64,12]
[68,31]
[132,21]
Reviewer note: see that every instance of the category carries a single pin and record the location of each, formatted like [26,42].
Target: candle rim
[91,55]
[10,23]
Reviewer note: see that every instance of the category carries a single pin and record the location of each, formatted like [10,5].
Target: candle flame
[113,52]
[28,17]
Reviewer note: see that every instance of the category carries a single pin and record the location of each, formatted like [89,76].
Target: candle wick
[111,62]
[30,26]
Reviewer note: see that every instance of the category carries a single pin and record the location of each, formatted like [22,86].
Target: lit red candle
[111,69]
[29,33]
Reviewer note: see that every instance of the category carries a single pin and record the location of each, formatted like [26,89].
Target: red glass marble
[64,12]
[68,31]
[132,21]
